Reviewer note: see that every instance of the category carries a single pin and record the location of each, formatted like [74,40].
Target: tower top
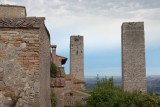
[53,46]
[133,26]
[76,36]
[12,11]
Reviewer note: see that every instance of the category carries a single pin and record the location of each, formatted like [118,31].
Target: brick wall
[25,63]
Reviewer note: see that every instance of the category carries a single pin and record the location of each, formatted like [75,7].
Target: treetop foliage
[106,94]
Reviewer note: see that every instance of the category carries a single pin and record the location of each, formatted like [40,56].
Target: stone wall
[24,63]
[58,91]
[45,60]
[77,57]
[133,57]
[78,86]
[12,11]
[72,97]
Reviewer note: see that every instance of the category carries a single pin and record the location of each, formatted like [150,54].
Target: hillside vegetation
[106,94]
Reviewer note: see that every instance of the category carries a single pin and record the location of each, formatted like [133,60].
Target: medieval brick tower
[133,57]
[77,57]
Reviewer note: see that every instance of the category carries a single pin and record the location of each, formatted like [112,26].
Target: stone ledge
[28,22]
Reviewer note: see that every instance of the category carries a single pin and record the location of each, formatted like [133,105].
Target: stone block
[23,45]
[1,77]
[1,69]
[10,67]
[2,53]
[9,94]
[2,88]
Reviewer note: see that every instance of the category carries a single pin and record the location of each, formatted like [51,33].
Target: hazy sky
[99,21]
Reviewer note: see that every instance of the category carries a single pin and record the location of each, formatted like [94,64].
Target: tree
[53,70]
[105,94]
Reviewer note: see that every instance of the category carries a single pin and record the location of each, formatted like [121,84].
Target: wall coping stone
[27,22]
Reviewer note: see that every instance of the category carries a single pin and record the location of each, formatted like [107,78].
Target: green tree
[53,70]
[53,99]
[106,94]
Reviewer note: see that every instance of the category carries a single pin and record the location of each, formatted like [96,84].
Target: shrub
[53,99]
[53,70]
[105,94]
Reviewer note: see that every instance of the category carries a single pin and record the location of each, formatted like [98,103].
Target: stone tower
[77,57]
[133,57]
[24,59]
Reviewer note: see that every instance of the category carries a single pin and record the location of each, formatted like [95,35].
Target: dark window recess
[72,45]
[76,39]
[77,52]
[81,52]
[71,94]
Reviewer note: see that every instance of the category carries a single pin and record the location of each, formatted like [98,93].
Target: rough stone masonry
[133,57]
[77,57]
[24,59]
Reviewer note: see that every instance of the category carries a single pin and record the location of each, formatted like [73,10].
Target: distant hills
[153,82]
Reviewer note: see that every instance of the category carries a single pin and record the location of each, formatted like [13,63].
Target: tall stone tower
[77,57]
[24,59]
[133,57]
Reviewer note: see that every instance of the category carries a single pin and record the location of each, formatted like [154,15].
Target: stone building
[24,59]
[68,89]
[133,57]
[58,82]
[77,57]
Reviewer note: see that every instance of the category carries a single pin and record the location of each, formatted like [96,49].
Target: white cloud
[7,2]
[99,20]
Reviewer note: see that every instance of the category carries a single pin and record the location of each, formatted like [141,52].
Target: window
[71,94]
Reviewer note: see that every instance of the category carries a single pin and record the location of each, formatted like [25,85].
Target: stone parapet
[28,22]
[13,11]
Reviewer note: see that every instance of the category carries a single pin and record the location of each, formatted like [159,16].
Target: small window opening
[71,94]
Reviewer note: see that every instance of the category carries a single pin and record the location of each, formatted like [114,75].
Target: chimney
[54,57]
